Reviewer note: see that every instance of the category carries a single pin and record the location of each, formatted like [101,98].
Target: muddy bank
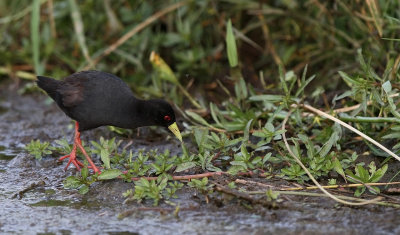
[33,199]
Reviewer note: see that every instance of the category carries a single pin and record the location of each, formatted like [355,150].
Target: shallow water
[49,208]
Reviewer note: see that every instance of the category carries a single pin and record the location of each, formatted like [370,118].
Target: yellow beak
[174,128]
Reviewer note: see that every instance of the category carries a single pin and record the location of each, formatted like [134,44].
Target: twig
[20,74]
[216,156]
[395,67]
[134,31]
[250,173]
[319,112]
[309,194]
[242,195]
[246,182]
[351,108]
[339,186]
[371,189]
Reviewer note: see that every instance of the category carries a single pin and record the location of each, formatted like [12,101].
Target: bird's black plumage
[95,98]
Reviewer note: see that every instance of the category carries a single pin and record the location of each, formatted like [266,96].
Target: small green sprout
[201,185]
[363,176]
[149,189]
[39,149]
[81,182]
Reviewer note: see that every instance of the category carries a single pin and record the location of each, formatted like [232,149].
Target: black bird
[94,98]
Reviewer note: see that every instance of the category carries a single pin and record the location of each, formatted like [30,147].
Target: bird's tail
[49,85]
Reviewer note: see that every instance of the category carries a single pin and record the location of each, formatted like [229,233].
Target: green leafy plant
[81,182]
[163,162]
[205,161]
[153,190]
[362,175]
[295,172]
[148,189]
[63,146]
[105,149]
[231,45]
[186,160]
[201,185]
[173,187]
[221,142]
[136,167]
[272,195]
[39,149]
[244,161]
[268,133]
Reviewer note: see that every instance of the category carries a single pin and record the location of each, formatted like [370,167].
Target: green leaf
[214,109]
[387,87]
[338,168]
[211,167]
[241,89]
[247,131]
[72,182]
[231,45]
[283,81]
[96,145]
[328,145]
[270,98]
[378,174]
[197,118]
[109,174]
[164,71]
[85,172]
[303,85]
[349,81]
[185,151]
[233,170]
[395,135]
[184,166]
[244,152]
[105,157]
[362,173]
[359,191]
[200,136]
[239,163]
[84,189]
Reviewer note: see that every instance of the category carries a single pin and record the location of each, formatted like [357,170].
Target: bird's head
[164,115]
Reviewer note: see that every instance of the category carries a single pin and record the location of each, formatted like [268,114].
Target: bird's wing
[71,92]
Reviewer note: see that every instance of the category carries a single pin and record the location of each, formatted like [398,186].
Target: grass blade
[231,45]
[79,30]
[35,20]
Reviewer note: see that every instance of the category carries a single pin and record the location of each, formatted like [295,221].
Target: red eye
[167,118]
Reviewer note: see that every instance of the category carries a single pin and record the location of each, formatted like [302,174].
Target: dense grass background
[39,37]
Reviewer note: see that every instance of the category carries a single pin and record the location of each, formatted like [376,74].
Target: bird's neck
[139,113]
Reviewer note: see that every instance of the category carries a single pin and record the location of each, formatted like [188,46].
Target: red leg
[72,155]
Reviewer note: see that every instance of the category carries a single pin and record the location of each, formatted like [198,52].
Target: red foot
[72,155]
[72,159]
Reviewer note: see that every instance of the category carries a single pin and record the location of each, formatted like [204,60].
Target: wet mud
[33,199]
